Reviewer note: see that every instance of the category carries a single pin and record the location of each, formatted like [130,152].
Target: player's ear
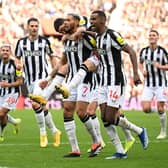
[102,21]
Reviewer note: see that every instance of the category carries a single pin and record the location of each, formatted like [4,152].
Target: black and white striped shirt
[34,57]
[109,45]
[155,76]
[95,81]
[8,74]
[76,53]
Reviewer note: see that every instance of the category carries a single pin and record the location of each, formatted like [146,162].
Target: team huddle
[90,73]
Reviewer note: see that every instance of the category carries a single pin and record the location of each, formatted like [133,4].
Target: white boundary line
[67,143]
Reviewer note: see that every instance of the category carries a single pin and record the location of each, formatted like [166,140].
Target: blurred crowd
[133,18]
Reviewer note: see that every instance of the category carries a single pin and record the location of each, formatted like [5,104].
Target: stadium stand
[133,19]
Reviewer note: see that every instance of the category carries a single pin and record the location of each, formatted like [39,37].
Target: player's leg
[140,131]
[163,121]
[15,122]
[50,88]
[39,114]
[146,97]
[110,129]
[89,124]
[89,65]
[91,110]
[112,132]
[115,101]
[76,80]
[82,104]
[161,99]
[97,127]
[8,102]
[129,139]
[51,125]
[3,122]
[123,122]
[56,81]
[70,126]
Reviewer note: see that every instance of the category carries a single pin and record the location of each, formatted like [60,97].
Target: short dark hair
[57,23]
[100,13]
[77,17]
[155,31]
[32,19]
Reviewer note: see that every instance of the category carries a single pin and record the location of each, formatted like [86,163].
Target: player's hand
[137,82]
[64,38]
[78,35]
[145,73]
[19,66]
[137,79]
[43,84]
[4,84]
[157,65]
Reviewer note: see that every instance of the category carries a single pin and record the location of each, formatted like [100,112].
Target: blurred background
[132,18]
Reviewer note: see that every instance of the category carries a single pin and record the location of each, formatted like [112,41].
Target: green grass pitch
[23,151]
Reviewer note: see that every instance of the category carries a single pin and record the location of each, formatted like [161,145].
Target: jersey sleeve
[18,51]
[90,42]
[48,47]
[141,56]
[117,40]
[83,22]
[165,56]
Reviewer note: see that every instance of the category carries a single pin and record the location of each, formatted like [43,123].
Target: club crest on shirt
[101,51]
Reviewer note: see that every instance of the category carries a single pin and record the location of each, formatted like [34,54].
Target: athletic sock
[126,131]
[127,134]
[11,119]
[2,128]
[88,122]
[112,133]
[50,89]
[70,129]
[39,114]
[123,122]
[49,122]
[97,127]
[79,76]
[163,122]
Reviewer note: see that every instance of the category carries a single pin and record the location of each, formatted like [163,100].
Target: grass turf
[23,151]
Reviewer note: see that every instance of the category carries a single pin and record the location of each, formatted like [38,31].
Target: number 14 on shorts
[114,93]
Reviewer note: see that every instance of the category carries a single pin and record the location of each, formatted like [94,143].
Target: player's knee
[111,121]
[35,105]
[81,115]
[91,112]
[147,110]
[105,123]
[68,114]
[68,119]
[103,119]
[160,110]
[2,115]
